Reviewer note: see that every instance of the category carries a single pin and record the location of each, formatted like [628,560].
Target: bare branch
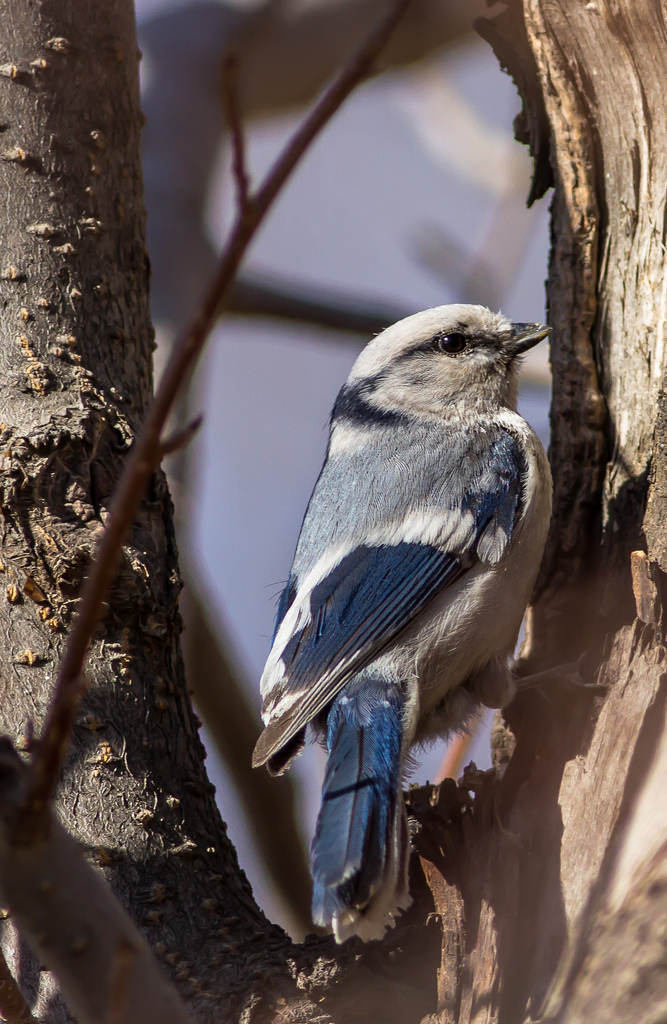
[180,438]
[74,923]
[269,803]
[230,100]
[452,761]
[257,295]
[146,452]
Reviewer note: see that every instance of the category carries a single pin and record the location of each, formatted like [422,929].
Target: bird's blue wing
[368,597]
[353,612]
[371,594]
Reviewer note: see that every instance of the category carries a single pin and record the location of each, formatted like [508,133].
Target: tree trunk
[75,378]
[552,882]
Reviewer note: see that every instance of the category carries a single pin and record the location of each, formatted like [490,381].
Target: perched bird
[416,559]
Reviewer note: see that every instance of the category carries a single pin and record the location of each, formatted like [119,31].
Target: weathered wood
[551,863]
[615,963]
[514,872]
[602,73]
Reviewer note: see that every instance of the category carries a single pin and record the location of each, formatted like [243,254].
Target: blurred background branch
[355,318]
[233,724]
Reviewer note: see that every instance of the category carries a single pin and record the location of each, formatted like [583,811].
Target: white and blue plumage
[417,556]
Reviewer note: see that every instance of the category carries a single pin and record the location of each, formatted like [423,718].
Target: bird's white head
[446,358]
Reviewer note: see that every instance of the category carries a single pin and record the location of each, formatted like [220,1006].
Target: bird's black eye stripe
[452,344]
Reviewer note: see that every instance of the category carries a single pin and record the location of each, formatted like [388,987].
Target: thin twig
[126,954]
[146,452]
[452,762]
[180,438]
[13,1007]
[230,100]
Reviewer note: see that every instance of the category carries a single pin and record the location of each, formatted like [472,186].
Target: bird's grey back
[434,464]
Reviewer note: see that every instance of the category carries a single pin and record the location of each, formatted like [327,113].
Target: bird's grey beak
[524,336]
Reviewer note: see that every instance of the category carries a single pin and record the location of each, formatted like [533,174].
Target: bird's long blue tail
[359,852]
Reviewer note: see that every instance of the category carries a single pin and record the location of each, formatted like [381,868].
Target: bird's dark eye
[451,343]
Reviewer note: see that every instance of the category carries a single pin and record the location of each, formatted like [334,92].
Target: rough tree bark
[75,379]
[549,882]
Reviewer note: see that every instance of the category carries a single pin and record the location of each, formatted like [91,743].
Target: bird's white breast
[479,617]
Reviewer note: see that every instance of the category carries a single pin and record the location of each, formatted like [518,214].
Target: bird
[416,559]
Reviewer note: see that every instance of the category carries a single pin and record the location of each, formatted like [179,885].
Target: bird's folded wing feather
[333,628]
